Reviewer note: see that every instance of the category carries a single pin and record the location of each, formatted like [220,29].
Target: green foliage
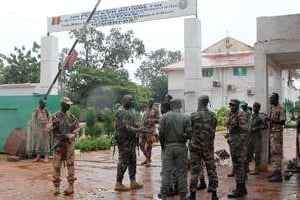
[21,66]
[91,118]
[221,128]
[111,51]
[108,119]
[93,143]
[76,111]
[150,71]
[222,116]
[291,124]
[289,107]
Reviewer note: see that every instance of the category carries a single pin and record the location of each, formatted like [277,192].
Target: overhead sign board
[123,15]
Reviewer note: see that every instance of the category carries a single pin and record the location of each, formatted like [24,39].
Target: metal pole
[71,50]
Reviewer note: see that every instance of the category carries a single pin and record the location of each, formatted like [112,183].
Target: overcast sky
[25,21]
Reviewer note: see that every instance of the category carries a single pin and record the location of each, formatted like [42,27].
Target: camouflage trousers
[196,165]
[276,149]
[201,171]
[43,138]
[146,142]
[174,160]
[254,147]
[127,159]
[63,155]
[238,156]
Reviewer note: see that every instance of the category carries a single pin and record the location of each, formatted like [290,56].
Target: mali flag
[55,20]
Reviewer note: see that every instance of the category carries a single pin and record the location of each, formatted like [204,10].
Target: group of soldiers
[187,143]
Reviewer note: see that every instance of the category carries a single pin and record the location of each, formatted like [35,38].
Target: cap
[234,102]
[66,100]
[203,98]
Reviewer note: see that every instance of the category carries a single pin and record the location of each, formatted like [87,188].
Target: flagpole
[66,61]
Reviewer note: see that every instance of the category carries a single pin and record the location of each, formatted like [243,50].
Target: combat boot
[276,178]
[38,157]
[240,191]
[192,196]
[56,190]
[231,174]
[148,163]
[120,187]
[46,159]
[144,163]
[69,190]
[256,170]
[201,185]
[135,185]
[214,196]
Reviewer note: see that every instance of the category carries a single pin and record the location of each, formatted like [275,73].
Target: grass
[93,143]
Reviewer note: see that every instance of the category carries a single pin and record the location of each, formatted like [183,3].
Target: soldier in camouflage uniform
[277,121]
[201,147]
[65,129]
[126,130]
[255,127]
[42,119]
[238,128]
[174,129]
[247,113]
[151,117]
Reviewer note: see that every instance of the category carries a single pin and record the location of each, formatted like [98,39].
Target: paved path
[96,172]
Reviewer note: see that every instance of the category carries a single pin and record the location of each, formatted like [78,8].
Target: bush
[93,143]
[221,128]
[108,120]
[291,125]
[75,110]
[222,116]
[95,131]
[91,118]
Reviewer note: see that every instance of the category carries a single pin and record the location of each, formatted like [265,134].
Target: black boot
[192,196]
[214,196]
[271,175]
[239,192]
[276,178]
[201,185]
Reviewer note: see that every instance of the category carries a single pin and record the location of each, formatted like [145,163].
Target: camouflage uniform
[64,123]
[297,111]
[238,127]
[173,129]
[126,141]
[201,147]
[42,119]
[276,137]
[151,118]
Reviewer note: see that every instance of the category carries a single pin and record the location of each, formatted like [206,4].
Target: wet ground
[96,172]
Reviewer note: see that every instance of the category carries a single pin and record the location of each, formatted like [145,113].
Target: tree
[98,78]
[112,51]
[150,71]
[22,66]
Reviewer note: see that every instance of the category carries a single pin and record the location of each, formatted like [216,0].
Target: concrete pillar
[192,60]
[277,82]
[261,96]
[49,63]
